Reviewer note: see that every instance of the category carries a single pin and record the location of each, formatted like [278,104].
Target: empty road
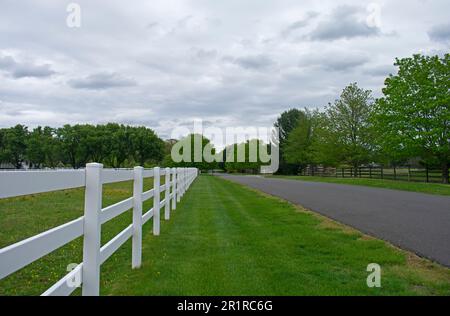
[415,221]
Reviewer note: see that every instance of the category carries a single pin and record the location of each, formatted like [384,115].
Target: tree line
[233,158]
[410,122]
[114,145]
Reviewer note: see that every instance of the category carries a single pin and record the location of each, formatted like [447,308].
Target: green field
[431,188]
[223,239]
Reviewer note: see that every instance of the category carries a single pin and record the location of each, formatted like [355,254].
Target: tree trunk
[445,173]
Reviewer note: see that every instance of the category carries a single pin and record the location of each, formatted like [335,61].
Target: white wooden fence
[17,183]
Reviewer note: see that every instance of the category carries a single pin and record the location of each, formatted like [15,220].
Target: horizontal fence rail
[87,273]
[397,173]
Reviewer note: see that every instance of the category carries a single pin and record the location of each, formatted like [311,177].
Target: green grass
[26,216]
[225,239]
[431,188]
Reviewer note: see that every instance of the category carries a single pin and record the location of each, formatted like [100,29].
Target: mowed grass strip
[430,188]
[226,239]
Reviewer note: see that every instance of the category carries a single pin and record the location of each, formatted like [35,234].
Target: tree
[348,121]
[325,148]
[191,156]
[42,148]
[117,144]
[246,156]
[145,145]
[52,147]
[13,145]
[413,117]
[35,151]
[297,148]
[74,144]
[286,123]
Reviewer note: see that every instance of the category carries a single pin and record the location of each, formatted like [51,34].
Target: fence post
[180,192]
[92,230]
[138,186]
[382,173]
[370,172]
[174,188]
[395,173]
[426,172]
[167,195]
[409,173]
[156,212]
[183,181]
[178,175]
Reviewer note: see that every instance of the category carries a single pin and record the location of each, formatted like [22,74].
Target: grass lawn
[223,239]
[431,188]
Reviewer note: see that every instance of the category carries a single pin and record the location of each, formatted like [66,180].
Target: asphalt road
[414,221]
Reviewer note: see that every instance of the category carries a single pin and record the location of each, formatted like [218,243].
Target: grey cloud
[300,24]
[101,81]
[19,70]
[440,33]
[335,60]
[343,22]
[254,62]
[346,63]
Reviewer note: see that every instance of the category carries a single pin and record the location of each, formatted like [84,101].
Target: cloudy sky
[230,62]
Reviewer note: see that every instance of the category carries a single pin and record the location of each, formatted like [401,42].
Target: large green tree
[325,149]
[194,150]
[146,146]
[43,147]
[349,127]
[78,144]
[297,148]
[413,117]
[286,123]
[117,144]
[13,145]
[244,157]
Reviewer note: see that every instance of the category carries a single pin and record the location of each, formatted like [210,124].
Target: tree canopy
[73,146]
[348,120]
[286,123]
[194,150]
[413,117]
[244,157]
